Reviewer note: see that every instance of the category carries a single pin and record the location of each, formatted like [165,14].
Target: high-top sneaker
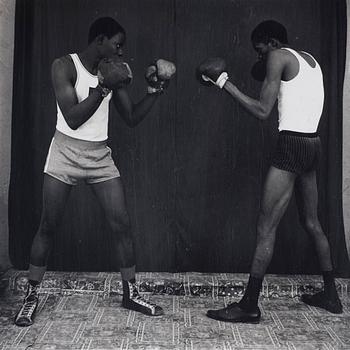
[25,316]
[132,300]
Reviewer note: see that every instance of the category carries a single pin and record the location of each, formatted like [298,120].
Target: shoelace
[28,307]
[135,296]
[143,302]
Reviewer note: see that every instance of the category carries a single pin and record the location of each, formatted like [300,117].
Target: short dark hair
[267,30]
[106,26]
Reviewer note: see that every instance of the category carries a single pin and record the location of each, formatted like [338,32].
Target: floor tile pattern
[73,314]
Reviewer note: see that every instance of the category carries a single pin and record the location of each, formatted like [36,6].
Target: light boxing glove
[113,73]
[158,75]
[212,71]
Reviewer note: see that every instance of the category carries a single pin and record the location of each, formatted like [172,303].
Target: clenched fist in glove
[158,75]
[213,71]
[113,73]
[258,70]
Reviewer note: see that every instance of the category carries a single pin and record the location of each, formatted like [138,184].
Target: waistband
[60,137]
[299,134]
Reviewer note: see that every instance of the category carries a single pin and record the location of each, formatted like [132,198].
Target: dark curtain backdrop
[193,169]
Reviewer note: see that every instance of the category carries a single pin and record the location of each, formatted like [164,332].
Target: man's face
[114,46]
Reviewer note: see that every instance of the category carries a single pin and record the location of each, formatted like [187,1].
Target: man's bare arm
[262,107]
[75,113]
[132,113]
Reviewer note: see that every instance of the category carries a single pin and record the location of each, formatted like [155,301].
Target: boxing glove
[258,71]
[213,70]
[113,73]
[158,75]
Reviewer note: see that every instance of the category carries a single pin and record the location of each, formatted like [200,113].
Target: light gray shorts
[72,160]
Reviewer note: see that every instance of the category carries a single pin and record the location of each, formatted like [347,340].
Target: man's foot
[132,300]
[320,300]
[25,316]
[234,313]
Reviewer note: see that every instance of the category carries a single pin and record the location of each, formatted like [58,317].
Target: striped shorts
[297,152]
[72,160]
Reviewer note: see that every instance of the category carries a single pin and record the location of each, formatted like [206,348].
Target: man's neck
[283,46]
[89,59]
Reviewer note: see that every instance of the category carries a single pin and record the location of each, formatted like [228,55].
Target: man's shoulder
[293,56]
[281,53]
[63,61]
[64,65]
[283,56]
[279,56]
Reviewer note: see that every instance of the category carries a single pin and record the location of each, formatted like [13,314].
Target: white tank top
[300,100]
[96,127]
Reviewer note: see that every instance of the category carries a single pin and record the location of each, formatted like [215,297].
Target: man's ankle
[249,302]
[129,288]
[128,273]
[34,283]
[247,306]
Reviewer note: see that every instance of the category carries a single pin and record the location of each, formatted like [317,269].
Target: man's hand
[113,73]
[212,71]
[158,75]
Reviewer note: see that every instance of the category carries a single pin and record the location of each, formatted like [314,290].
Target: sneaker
[25,316]
[320,300]
[234,313]
[132,300]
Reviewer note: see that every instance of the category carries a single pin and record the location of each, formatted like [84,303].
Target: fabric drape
[193,170]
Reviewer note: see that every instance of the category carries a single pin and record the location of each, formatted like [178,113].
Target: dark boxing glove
[258,71]
[212,71]
[158,75]
[113,73]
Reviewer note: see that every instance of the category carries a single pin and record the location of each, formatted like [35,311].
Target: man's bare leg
[307,200]
[277,192]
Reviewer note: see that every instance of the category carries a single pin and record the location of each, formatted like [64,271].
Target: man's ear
[99,39]
[274,43]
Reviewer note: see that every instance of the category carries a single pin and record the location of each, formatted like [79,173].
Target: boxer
[294,78]
[84,84]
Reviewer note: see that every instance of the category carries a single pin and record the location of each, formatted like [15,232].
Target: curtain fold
[333,32]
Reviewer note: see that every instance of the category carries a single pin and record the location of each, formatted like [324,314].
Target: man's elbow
[263,113]
[72,123]
[73,127]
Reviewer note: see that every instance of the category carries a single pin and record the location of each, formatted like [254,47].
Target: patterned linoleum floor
[92,321]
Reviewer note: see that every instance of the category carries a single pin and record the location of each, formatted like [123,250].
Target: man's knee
[120,223]
[47,227]
[312,226]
